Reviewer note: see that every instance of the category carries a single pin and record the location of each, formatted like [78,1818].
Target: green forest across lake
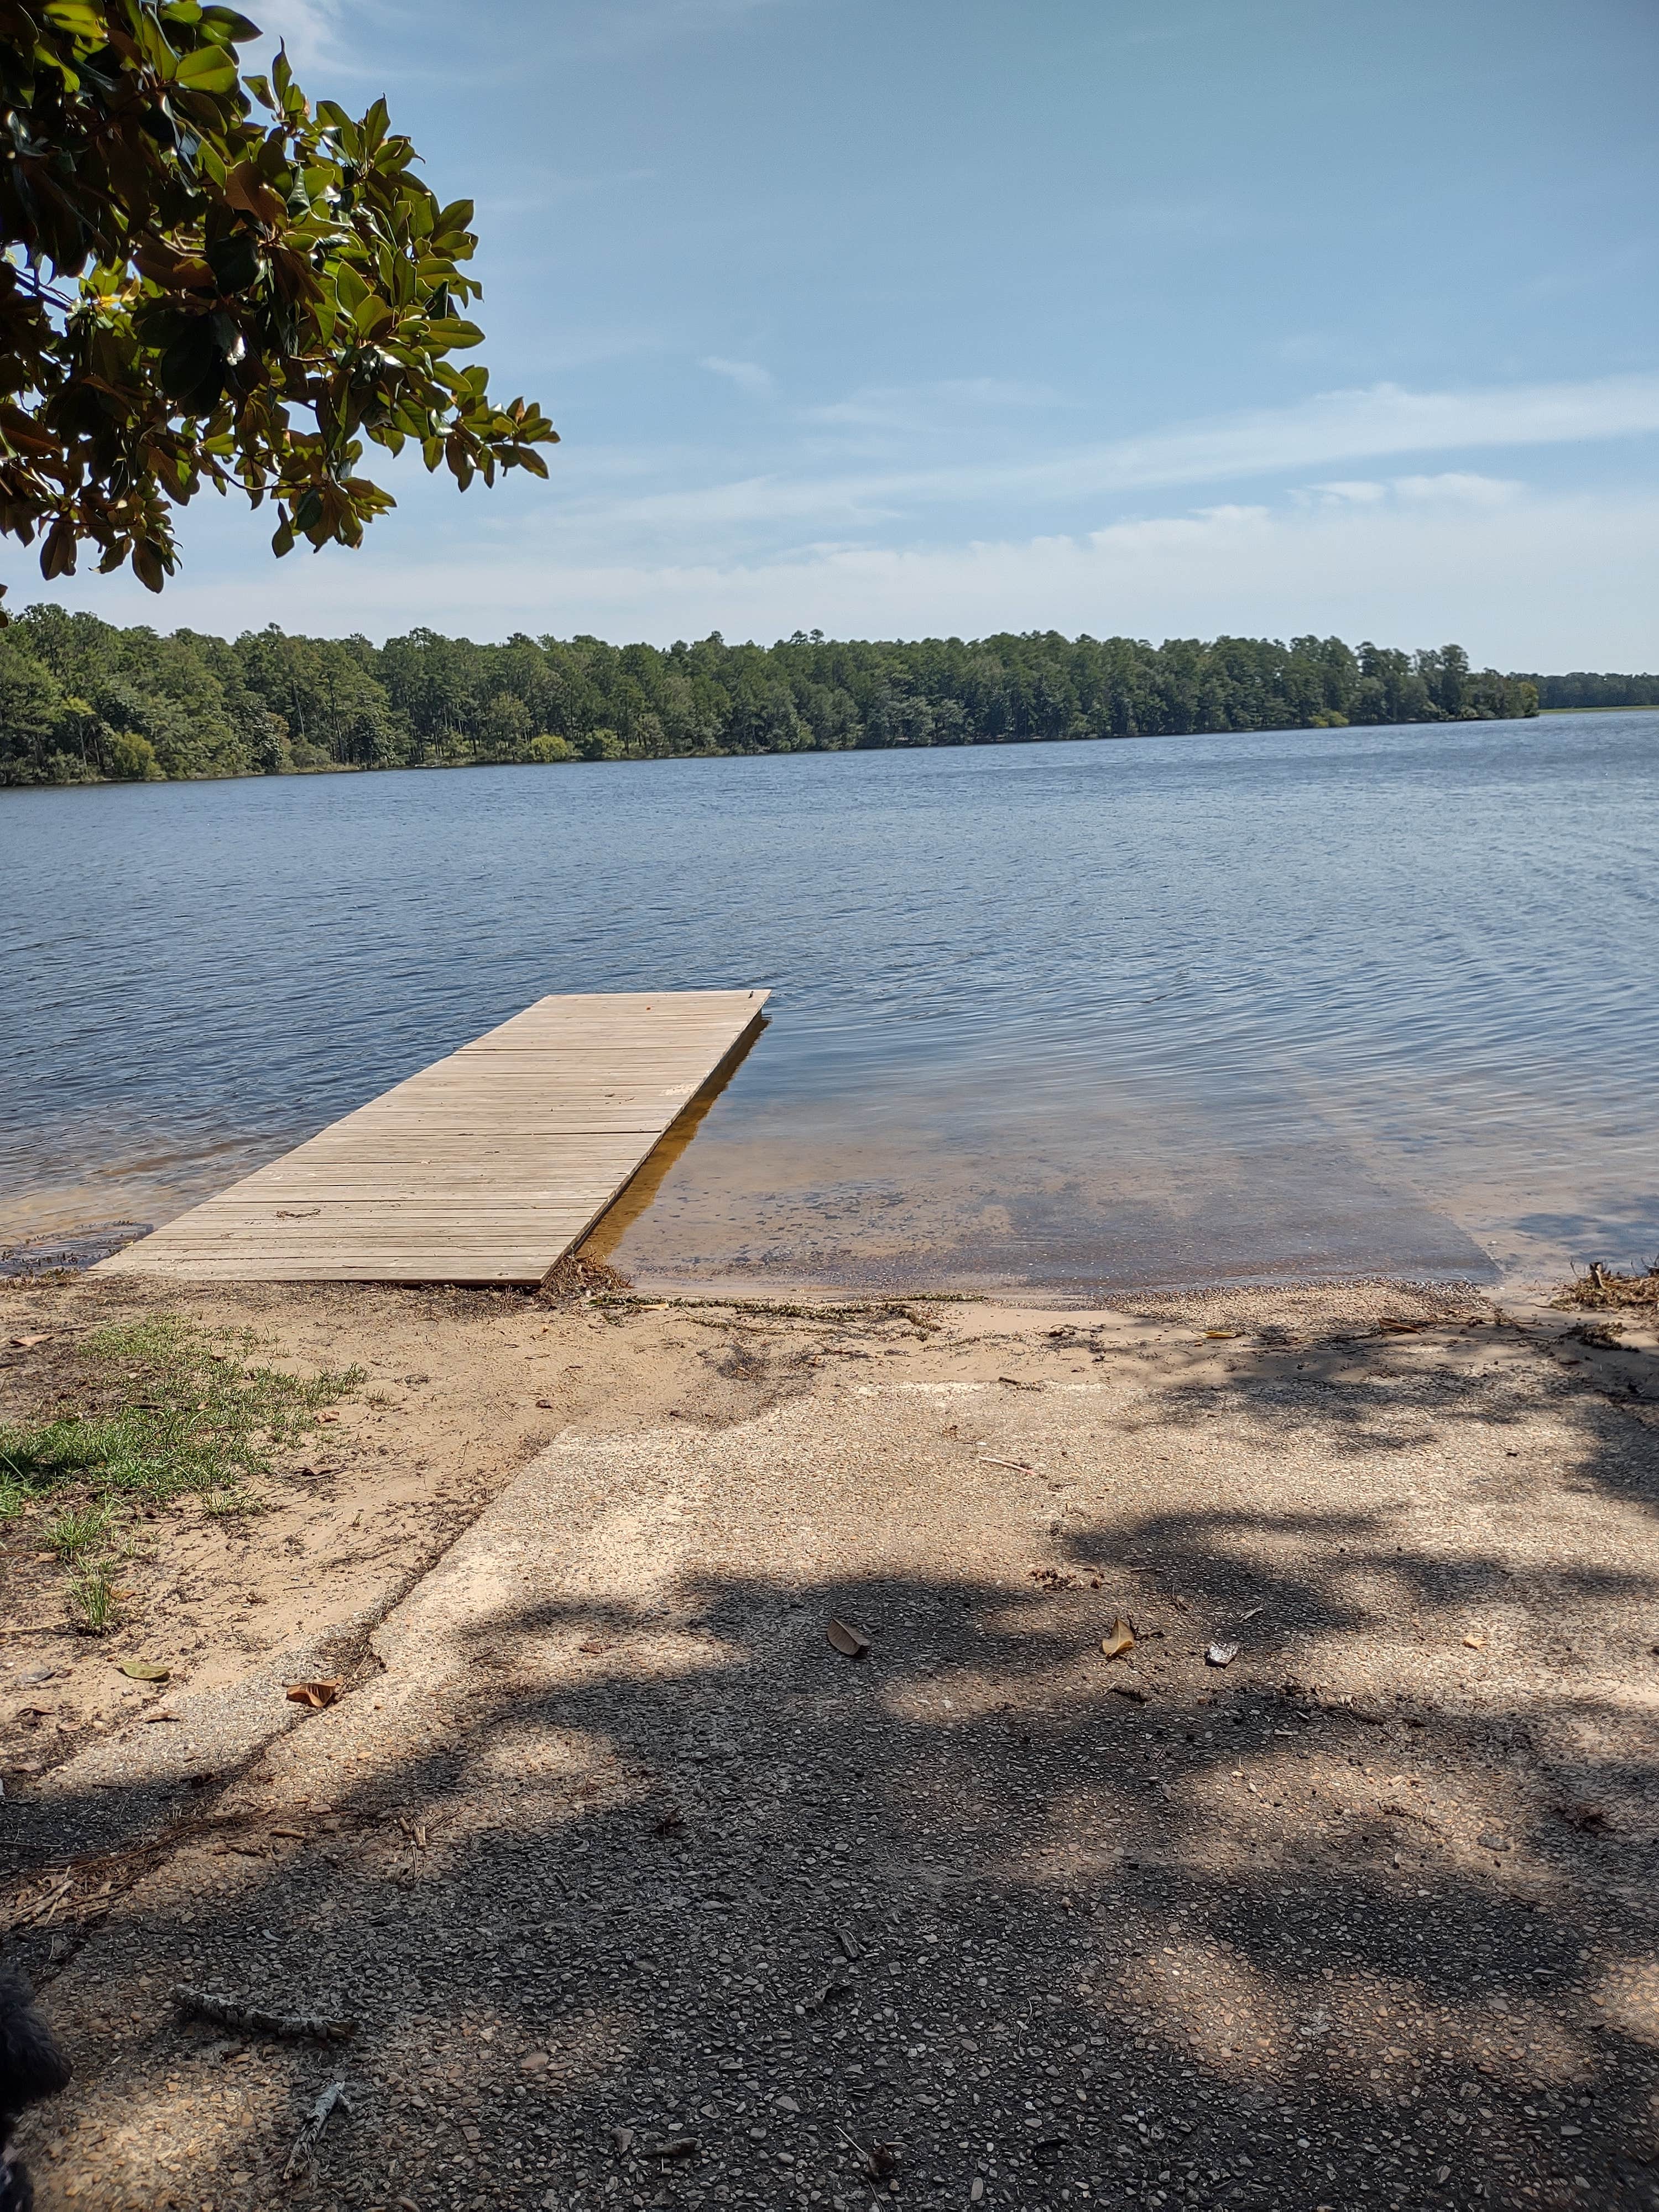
[83,701]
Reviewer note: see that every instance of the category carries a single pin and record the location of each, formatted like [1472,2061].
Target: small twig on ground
[255,2020]
[303,2156]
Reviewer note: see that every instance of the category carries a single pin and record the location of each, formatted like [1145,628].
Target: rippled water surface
[1150,1012]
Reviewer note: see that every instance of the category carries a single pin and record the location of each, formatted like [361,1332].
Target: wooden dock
[484,1168]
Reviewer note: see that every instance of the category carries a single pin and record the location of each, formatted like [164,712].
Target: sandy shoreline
[1365,1915]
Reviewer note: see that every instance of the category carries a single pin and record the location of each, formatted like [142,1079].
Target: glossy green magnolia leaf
[77,16]
[207,68]
[226,20]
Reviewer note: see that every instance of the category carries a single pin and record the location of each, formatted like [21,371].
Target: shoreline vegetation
[82,700]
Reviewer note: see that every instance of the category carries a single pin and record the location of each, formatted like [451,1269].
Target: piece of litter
[143,1670]
[23,1343]
[1121,1642]
[1221,1655]
[847,1641]
[314,1694]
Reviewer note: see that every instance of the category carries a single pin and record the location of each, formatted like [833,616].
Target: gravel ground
[640,1893]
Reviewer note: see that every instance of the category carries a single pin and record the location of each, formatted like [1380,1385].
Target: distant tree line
[1582,689]
[82,701]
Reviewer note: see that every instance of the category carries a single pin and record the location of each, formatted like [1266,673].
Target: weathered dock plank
[484,1168]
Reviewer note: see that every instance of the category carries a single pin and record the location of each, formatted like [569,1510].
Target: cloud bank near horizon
[1416,565]
[1411,556]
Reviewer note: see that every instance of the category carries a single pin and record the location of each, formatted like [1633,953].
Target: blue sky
[896,317]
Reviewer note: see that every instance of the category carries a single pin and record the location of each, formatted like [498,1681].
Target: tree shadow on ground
[669,1903]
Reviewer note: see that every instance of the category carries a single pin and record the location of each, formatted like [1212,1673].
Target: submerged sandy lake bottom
[1069,1016]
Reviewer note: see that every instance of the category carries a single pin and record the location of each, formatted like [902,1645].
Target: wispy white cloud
[310,29]
[1355,492]
[923,407]
[747,375]
[1460,487]
[1378,422]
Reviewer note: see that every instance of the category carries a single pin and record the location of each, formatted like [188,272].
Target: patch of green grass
[172,1410]
[79,1528]
[92,1598]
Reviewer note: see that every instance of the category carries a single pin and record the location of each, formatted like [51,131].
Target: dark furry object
[32,2067]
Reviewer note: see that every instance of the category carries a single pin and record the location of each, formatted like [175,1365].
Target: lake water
[1067,1016]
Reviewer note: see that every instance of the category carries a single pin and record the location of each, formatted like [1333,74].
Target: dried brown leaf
[1121,1642]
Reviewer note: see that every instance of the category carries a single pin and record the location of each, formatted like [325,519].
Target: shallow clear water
[1070,1015]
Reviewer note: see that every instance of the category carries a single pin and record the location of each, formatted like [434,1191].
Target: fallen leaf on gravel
[24,1342]
[1475,1643]
[160,1716]
[1221,1331]
[847,1641]
[1014,1383]
[1121,1642]
[1221,1655]
[143,1670]
[314,1694]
